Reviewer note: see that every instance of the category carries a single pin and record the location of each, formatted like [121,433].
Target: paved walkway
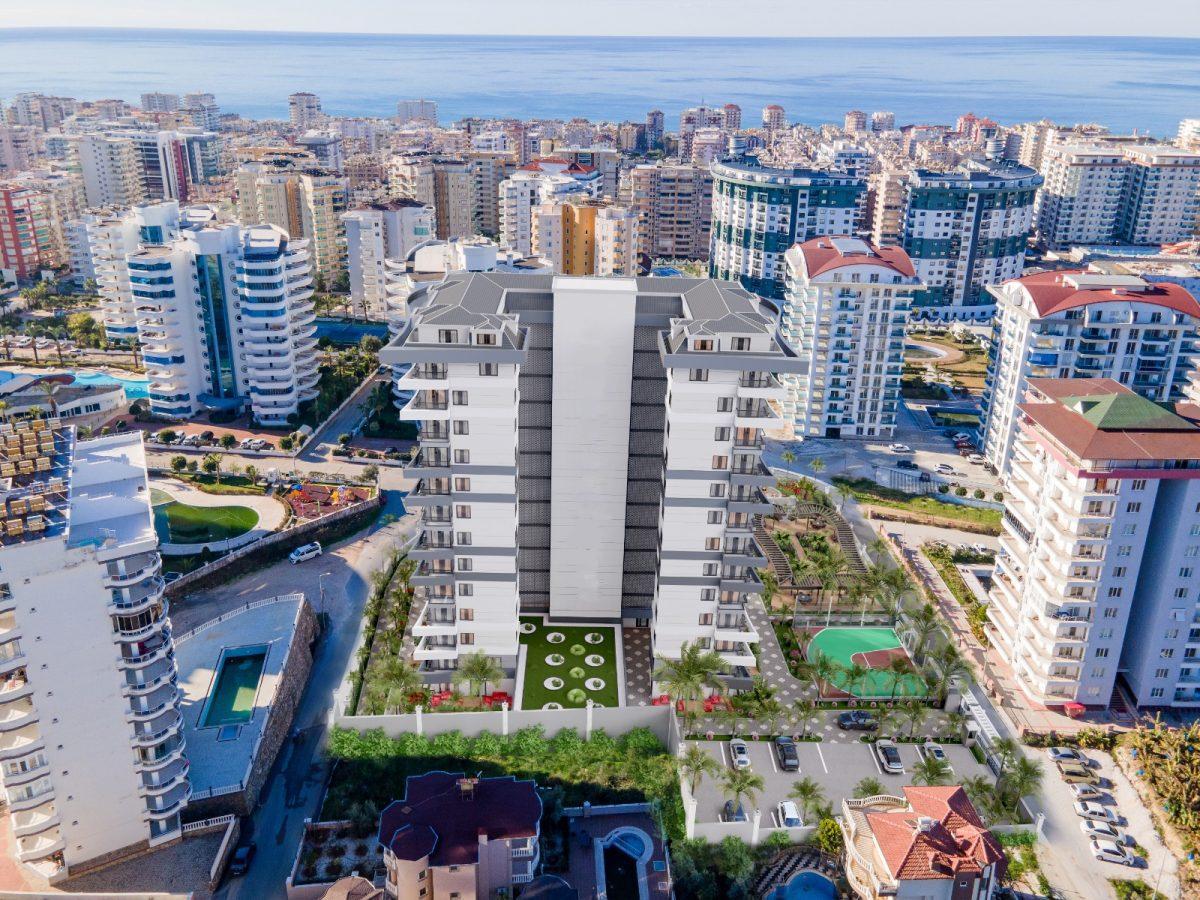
[772,665]
[638,664]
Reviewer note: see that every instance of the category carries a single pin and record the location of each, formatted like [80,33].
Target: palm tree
[212,465]
[770,586]
[477,670]
[931,771]
[843,493]
[1006,752]
[808,794]
[695,764]
[898,667]
[923,625]
[806,711]
[50,388]
[688,677]
[4,410]
[393,684]
[1023,778]
[869,787]
[830,571]
[947,664]
[981,791]
[788,456]
[817,465]
[742,784]
[913,712]
[854,675]
[824,671]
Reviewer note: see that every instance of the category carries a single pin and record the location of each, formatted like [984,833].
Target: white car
[1090,809]
[1110,851]
[739,754]
[23,341]
[308,551]
[960,436]
[888,755]
[1067,754]
[976,459]
[1100,830]
[945,469]
[1086,791]
[900,448]
[931,750]
[246,443]
[789,815]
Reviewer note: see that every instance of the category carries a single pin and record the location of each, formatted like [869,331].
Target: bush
[829,836]
[979,494]
[998,496]
[960,492]
[167,435]
[943,488]
[286,443]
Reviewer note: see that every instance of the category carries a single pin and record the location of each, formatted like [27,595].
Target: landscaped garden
[313,500]
[565,666]
[182,523]
[984,520]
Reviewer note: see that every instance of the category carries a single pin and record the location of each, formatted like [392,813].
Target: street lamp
[321,588]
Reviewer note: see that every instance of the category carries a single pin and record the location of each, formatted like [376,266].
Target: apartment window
[1115,591]
[462,538]
[716,489]
[466,614]
[1161,673]
[462,511]
[712,543]
[1124,550]
[466,590]
[1129,529]
[462,484]
[724,404]
[462,456]
[466,637]
[1101,653]
[1168,653]
[702,344]
[708,594]
[706,618]
[465,564]
[447,336]
[458,398]
[741,343]
[1181,593]
[489,369]
[711,569]
[1098,671]
[1133,507]
[1155,693]
[1105,634]
[1139,484]
[485,340]
[721,434]
[1110,612]
[715,517]
[1192,551]
[720,462]
[462,426]
[698,375]
[1119,572]
[5,592]
[1185,572]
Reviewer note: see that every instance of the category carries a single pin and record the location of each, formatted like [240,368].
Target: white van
[308,551]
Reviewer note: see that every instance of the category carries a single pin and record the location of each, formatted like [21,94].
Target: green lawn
[573,670]
[229,484]
[866,491]
[181,523]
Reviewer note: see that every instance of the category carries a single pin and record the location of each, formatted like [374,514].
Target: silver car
[739,754]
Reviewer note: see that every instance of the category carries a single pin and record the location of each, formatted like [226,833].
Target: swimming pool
[805,886]
[135,388]
[232,699]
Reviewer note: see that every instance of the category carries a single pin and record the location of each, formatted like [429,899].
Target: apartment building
[929,844]
[605,160]
[844,312]
[586,238]
[425,111]
[488,170]
[887,195]
[226,320]
[1162,196]
[374,235]
[696,119]
[590,450]
[92,752]
[544,180]
[1085,324]
[674,209]
[304,110]
[456,836]
[1095,579]
[326,149]
[111,169]
[26,240]
[759,213]
[158,102]
[774,118]
[967,229]
[447,184]
[655,128]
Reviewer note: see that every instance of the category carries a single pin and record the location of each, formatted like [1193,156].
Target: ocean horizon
[1147,83]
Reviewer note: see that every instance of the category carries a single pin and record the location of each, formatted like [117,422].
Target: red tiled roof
[820,256]
[1052,293]
[954,840]
[580,167]
[435,819]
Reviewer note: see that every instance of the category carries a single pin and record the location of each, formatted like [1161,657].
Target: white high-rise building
[1162,197]
[111,169]
[1095,580]
[1080,324]
[202,109]
[541,181]
[1188,137]
[160,102]
[590,448]
[226,320]
[586,238]
[844,310]
[416,110]
[304,110]
[326,148]
[375,235]
[92,753]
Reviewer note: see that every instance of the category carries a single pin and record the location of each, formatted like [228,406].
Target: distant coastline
[1145,83]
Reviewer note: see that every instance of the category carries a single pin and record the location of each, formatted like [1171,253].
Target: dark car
[906,464]
[242,856]
[857,720]
[785,752]
[734,814]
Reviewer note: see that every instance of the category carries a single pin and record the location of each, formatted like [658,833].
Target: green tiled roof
[1126,412]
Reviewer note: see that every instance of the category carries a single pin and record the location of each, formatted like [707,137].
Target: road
[294,788]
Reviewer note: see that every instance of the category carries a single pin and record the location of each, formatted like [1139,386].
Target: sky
[718,18]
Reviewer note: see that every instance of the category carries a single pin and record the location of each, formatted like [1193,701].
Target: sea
[1125,83]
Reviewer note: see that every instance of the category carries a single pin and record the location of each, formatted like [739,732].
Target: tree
[477,670]
[869,787]
[824,671]
[689,677]
[770,586]
[370,472]
[695,764]
[932,771]
[742,784]
[788,456]
[808,794]
[1022,778]
[178,463]
[828,837]
[736,863]
[947,665]
[922,626]
[166,436]
[981,791]
[853,676]
[392,685]
[817,465]
[228,441]
[50,388]
[252,474]
[286,443]
[368,343]
[898,668]
[913,712]
[806,711]
[212,466]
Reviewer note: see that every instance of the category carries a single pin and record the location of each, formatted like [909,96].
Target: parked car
[789,815]
[207,436]
[193,440]
[1090,809]
[976,459]
[785,752]
[308,551]
[907,464]
[1084,791]
[945,469]
[1074,773]
[739,754]
[960,436]
[980,550]
[239,863]
[857,720]
[900,448]
[931,750]
[246,443]
[1111,851]
[1067,754]
[1101,830]
[171,577]
[258,444]
[733,813]
[889,756]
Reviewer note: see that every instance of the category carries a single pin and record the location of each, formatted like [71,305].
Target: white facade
[421,110]
[91,757]
[1085,324]
[304,110]
[1096,571]
[542,181]
[111,169]
[844,313]
[374,236]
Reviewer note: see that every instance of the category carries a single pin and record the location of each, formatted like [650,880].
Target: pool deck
[597,824]
[225,763]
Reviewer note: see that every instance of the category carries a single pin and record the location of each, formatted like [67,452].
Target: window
[462,456]
[716,489]
[1097,671]
[710,569]
[1119,572]
[706,618]
[485,340]
[458,398]
[466,590]
[1139,484]
[1124,550]
[462,538]
[698,375]
[462,511]
[721,434]
[1115,591]
[1129,529]
[461,426]
[466,614]
[724,404]
[1101,653]
[712,543]
[466,637]
[720,462]
[462,484]
[702,344]
[1161,673]
[741,343]
[715,517]
[1133,507]
[465,564]
[489,369]
[1185,572]
[1181,593]
[1168,653]
[1105,634]
[1110,612]
[708,594]
[447,336]
[1155,693]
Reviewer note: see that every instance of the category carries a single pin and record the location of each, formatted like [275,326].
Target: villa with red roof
[451,836]
[1085,324]
[929,844]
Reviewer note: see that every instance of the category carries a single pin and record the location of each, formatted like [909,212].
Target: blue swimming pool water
[805,886]
[135,388]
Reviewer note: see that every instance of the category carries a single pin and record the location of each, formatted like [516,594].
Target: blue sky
[780,18]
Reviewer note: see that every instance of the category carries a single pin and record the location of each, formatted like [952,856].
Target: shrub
[979,494]
[828,836]
[960,492]
[943,488]
[286,443]
[998,496]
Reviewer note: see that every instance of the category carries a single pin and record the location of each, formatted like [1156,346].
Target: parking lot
[837,766]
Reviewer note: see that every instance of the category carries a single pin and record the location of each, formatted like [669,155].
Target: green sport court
[874,648]
[232,698]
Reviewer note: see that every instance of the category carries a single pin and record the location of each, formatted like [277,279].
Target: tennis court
[873,648]
[232,699]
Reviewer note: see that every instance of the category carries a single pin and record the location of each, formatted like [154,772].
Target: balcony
[436,620]
[430,462]
[434,648]
[37,819]
[735,627]
[145,569]
[737,655]
[430,492]
[426,406]
[40,845]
